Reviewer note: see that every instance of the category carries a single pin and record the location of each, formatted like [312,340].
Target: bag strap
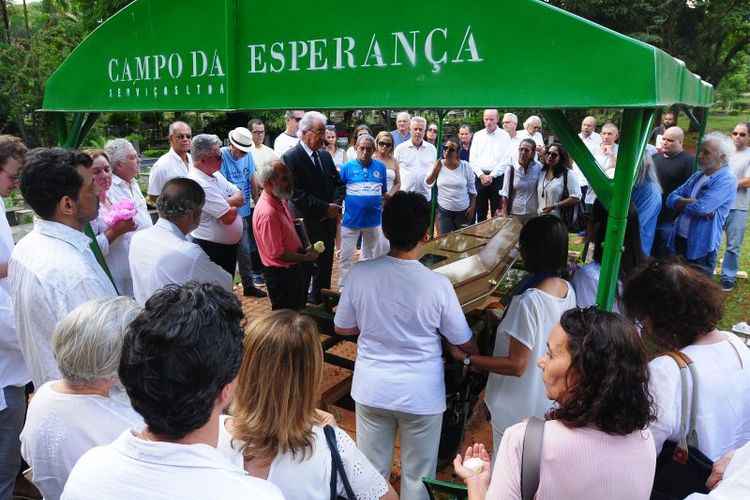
[337,466]
[565,194]
[736,350]
[511,190]
[688,416]
[531,458]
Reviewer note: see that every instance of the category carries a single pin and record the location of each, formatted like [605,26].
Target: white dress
[529,320]
[61,427]
[309,478]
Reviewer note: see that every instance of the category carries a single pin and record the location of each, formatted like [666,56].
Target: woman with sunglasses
[595,443]
[557,187]
[384,153]
[431,134]
[457,191]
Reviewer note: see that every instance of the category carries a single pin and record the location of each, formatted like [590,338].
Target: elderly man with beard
[703,203]
[279,246]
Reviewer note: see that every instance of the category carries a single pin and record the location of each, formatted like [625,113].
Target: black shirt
[672,172]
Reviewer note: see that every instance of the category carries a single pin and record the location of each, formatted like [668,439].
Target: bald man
[588,134]
[673,167]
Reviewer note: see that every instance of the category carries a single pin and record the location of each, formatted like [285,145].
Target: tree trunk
[26,19]
[6,20]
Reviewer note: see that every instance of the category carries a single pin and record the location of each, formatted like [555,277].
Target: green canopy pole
[636,127]
[581,154]
[701,125]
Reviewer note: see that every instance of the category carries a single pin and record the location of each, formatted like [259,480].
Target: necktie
[316,160]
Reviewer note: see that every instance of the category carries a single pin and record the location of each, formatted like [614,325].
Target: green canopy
[156,55]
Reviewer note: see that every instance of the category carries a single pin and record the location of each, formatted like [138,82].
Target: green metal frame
[266,62]
[444,490]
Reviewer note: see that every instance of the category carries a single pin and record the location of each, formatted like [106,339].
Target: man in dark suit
[318,192]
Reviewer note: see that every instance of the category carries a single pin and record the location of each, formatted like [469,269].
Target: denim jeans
[11,423]
[661,240]
[735,229]
[451,221]
[707,263]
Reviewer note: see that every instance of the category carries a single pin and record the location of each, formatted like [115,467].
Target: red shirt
[273,227]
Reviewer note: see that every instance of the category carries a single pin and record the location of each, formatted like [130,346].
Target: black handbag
[337,467]
[681,468]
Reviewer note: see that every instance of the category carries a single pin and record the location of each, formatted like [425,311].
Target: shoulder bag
[681,468]
[531,458]
[337,467]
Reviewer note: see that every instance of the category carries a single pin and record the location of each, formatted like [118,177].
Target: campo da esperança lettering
[437,47]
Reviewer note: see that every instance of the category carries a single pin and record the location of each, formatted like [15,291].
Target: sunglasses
[552,155]
[183,136]
[296,118]
[432,130]
[386,144]
[741,134]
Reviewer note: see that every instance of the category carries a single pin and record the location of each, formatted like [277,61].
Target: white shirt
[723,411]
[524,187]
[13,371]
[399,353]
[415,164]
[52,271]
[61,427]
[586,284]
[735,484]
[529,320]
[308,477]
[117,256]
[593,142]
[169,166]
[132,468]
[549,191]
[739,162]
[218,190]
[162,255]
[455,186]
[537,137]
[283,143]
[607,163]
[489,151]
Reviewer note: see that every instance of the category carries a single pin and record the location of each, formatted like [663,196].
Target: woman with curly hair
[558,186]
[679,308]
[596,443]
[274,430]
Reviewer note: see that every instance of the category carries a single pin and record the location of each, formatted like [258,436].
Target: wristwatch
[467,360]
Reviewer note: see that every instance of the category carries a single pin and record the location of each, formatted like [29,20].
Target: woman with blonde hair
[275,431]
[384,153]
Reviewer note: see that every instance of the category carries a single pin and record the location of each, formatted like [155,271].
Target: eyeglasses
[386,144]
[741,134]
[183,136]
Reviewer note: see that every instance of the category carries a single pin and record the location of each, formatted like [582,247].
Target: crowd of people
[149,382]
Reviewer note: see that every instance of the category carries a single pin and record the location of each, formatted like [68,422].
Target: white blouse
[723,411]
[309,478]
[117,256]
[550,191]
[61,427]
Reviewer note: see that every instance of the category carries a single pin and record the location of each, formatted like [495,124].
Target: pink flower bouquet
[120,211]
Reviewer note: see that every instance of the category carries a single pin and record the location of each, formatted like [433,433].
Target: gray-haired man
[162,255]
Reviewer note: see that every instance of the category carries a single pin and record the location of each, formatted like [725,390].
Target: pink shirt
[274,231]
[581,463]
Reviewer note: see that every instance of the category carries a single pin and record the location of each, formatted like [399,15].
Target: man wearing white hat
[238,168]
